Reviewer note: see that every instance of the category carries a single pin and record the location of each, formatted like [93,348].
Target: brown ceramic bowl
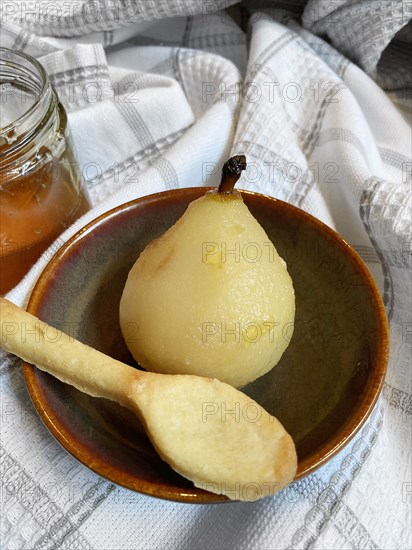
[323,389]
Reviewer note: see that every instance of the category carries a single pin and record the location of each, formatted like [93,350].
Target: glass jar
[41,188]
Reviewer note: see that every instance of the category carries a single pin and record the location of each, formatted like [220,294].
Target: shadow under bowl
[322,390]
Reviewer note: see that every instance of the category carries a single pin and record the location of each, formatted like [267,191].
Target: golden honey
[41,188]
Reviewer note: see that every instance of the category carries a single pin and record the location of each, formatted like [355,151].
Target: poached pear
[211,296]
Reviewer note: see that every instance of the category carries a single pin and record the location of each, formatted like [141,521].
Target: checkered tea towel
[159,94]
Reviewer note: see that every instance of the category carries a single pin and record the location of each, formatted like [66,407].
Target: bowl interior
[322,390]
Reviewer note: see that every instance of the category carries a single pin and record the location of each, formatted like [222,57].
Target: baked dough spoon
[245,455]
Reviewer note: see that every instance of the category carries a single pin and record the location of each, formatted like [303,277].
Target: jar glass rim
[44,88]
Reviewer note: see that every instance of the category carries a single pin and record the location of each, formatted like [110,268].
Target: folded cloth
[159,95]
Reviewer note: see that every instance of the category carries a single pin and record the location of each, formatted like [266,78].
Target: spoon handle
[64,357]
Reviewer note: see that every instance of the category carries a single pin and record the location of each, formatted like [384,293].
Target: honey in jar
[41,188]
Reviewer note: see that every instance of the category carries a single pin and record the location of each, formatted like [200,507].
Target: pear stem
[231,173]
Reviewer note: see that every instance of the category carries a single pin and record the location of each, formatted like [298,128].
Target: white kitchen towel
[159,95]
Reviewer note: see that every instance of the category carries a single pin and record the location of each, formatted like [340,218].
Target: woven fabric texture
[159,95]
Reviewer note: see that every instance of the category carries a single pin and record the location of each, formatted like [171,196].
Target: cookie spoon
[244,456]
